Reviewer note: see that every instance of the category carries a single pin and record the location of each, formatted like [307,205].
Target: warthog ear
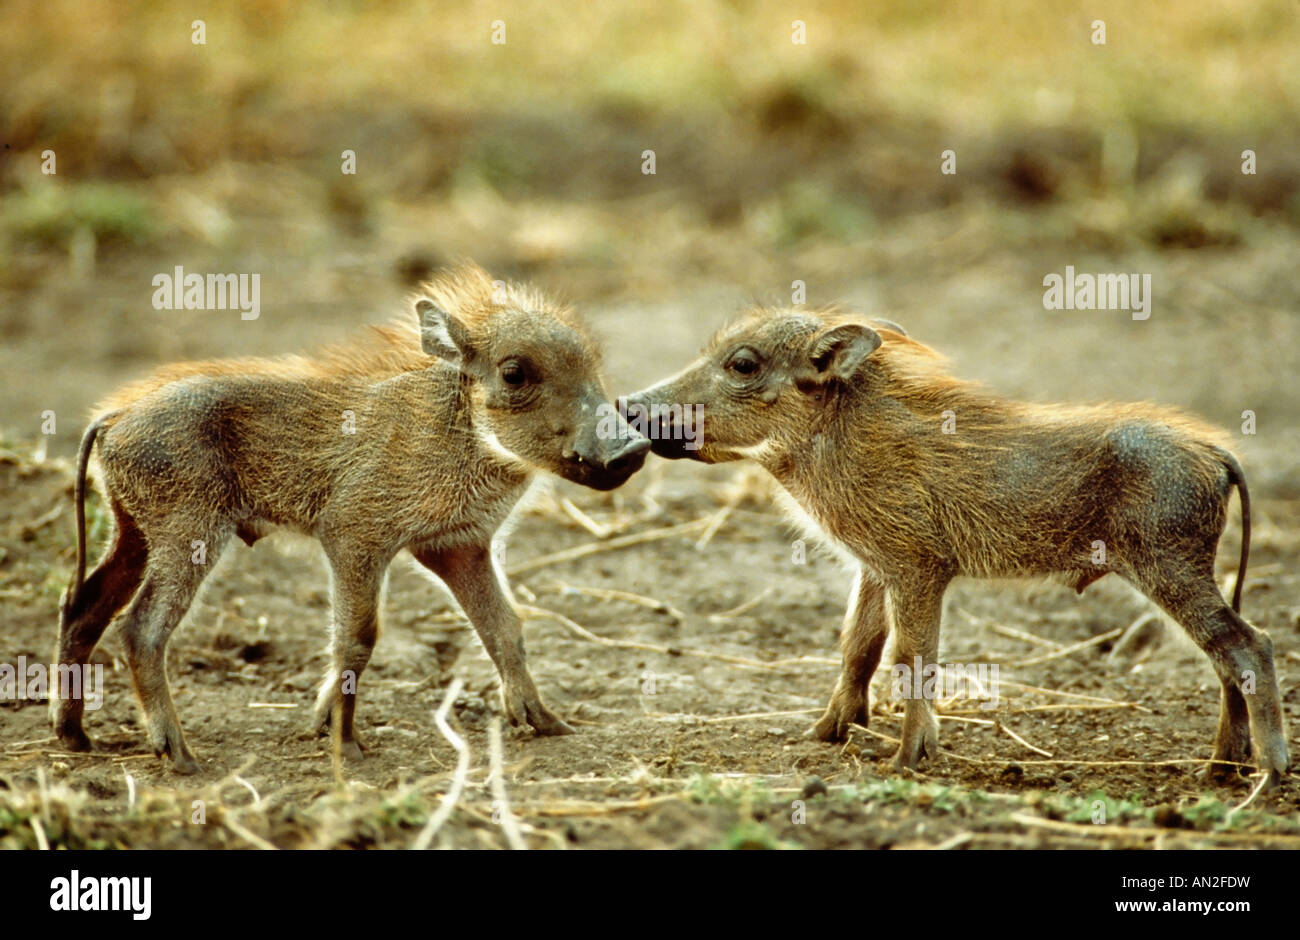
[441,334]
[837,353]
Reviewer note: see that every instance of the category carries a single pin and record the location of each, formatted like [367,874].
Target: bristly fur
[473,296]
[376,351]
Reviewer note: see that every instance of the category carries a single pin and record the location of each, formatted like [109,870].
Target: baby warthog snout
[606,451]
[674,429]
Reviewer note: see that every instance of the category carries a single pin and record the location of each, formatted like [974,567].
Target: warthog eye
[742,363]
[513,374]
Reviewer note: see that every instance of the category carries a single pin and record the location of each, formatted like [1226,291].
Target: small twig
[1081,829]
[250,837]
[1132,635]
[430,680]
[41,521]
[1022,635]
[1088,763]
[509,824]
[42,843]
[715,523]
[1018,739]
[449,798]
[584,520]
[588,808]
[130,790]
[971,721]
[1044,708]
[257,797]
[272,704]
[606,594]
[743,608]
[1259,788]
[755,715]
[873,732]
[1007,631]
[1057,762]
[544,614]
[45,740]
[953,842]
[593,548]
[1073,648]
[1063,694]
[1143,832]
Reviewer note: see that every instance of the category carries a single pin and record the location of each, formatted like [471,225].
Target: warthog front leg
[915,607]
[862,640]
[469,572]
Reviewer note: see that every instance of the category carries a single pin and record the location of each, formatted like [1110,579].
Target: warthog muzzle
[604,463]
[674,430]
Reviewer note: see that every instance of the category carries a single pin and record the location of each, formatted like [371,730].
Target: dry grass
[1216,67]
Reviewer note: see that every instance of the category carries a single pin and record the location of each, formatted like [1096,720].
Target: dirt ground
[693,694]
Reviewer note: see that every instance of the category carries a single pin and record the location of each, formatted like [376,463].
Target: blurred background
[775,161]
